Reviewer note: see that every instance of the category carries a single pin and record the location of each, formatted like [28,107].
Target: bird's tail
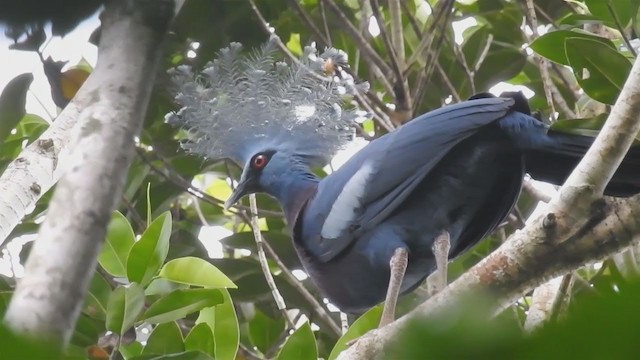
[555,162]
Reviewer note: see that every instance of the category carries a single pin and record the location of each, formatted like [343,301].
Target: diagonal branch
[359,40]
[397,33]
[550,90]
[302,13]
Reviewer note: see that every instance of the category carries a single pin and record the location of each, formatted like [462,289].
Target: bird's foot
[398,266]
[440,248]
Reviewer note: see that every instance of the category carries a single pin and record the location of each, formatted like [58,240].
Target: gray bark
[48,300]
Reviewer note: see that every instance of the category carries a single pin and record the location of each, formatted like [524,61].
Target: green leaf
[226,331]
[30,127]
[368,321]
[95,304]
[120,239]
[15,347]
[164,339]
[264,331]
[207,316]
[5,298]
[148,254]
[551,44]
[301,345]
[609,10]
[131,350]
[181,303]
[219,189]
[294,44]
[87,331]
[586,127]
[600,70]
[187,355]
[125,304]
[162,287]
[12,103]
[200,338]
[195,271]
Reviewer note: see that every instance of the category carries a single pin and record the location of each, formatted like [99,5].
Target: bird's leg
[398,266]
[440,248]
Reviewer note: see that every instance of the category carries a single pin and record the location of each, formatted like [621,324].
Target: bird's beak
[236,195]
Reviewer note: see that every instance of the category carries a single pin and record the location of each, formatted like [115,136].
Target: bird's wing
[376,180]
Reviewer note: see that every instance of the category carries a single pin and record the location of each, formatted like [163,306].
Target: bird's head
[272,118]
[269,171]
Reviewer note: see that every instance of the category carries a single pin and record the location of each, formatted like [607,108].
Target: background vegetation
[157,293]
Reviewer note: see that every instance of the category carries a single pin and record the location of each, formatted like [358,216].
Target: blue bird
[367,230]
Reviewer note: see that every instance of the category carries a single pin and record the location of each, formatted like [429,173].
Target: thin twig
[621,29]
[561,299]
[551,92]
[380,67]
[140,223]
[282,46]
[459,56]
[381,118]
[293,281]
[196,205]
[483,54]
[432,54]
[397,33]
[546,16]
[424,47]
[262,258]
[304,16]
[447,82]
[174,177]
[323,14]
[388,42]
[344,322]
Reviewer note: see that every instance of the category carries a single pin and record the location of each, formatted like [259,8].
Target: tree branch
[47,301]
[262,258]
[578,226]
[551,92]
[361,42]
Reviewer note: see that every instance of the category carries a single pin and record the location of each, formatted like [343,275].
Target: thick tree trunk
[577,227]
[47,301]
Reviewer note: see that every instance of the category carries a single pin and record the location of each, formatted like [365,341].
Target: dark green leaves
[164,339]
[598,67]
[195,271]
[200,338]
[614,13]
[120,239]
[551,45]
[301,345]
[226,330]
[125,304]
[600,70]
[264,331]
[98,298]
[181,303]
[361,326]
[12,103]
[148,254]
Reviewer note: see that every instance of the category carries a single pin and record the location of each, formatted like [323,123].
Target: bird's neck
[293,190]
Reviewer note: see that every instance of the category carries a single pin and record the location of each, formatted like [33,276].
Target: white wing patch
[347,203]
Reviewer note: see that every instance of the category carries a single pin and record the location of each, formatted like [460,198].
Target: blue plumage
[457,170]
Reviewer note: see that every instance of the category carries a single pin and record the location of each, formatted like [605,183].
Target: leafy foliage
[162,296]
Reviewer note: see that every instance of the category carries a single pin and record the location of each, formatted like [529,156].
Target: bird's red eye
[259,161]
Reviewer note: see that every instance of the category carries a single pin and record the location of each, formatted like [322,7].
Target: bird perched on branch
[367,230]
